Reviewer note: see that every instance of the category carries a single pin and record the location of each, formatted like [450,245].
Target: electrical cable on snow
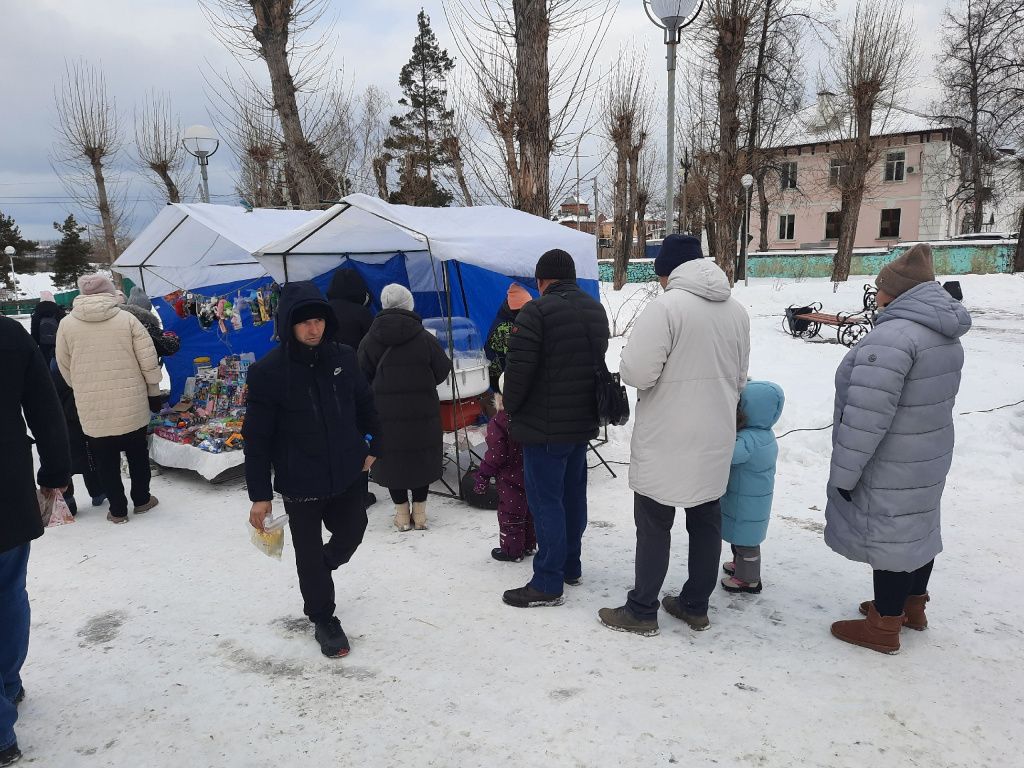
[829,426]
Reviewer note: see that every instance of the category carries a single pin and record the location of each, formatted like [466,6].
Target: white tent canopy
[189,246]
[500,239]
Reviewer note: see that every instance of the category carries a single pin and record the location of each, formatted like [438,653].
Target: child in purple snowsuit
[504,461]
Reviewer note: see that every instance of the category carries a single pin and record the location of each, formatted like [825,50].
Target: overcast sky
[167,45]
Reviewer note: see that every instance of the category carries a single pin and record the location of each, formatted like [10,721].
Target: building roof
[820,123]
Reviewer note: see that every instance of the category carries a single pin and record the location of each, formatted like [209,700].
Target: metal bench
[806,322]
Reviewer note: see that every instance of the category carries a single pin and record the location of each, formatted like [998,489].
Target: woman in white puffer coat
[107,357]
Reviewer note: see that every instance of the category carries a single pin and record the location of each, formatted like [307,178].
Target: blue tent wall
[195,342]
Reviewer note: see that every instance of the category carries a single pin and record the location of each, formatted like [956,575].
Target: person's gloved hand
[156,403]
[845,494]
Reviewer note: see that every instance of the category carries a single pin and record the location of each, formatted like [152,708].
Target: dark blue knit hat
[676,250]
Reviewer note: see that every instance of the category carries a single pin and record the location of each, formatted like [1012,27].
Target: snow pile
[171,641]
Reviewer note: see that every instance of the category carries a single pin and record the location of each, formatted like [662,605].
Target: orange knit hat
[517,297]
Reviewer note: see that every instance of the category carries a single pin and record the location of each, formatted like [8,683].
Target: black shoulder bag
[612,402]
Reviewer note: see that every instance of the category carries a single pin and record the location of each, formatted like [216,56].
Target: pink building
[908,190]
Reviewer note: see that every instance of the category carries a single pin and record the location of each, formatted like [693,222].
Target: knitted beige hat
[90,285]
[906,271]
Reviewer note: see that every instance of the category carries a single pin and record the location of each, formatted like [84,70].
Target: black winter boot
[528,597]
[10,755]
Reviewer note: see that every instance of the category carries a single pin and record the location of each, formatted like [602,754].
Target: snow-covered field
[172,642]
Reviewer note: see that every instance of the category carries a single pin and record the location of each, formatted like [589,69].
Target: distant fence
[951,258]
[27,306]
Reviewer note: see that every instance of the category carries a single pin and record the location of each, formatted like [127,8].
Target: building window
[787,226]
[833,223]
[895,165]
[836,172]
[890,224]
[787,175]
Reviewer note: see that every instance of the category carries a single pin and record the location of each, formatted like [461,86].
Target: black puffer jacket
[350,299]
[25,386]
[404,364]
[549,376]
[308,412]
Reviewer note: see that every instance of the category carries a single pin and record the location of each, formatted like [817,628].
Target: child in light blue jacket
[747,503]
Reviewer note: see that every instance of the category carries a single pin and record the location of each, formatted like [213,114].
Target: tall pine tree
[72,255]
[10,234]
[417,140]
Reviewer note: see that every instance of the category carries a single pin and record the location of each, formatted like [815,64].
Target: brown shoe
[913,609]
[117,519]
[672,607]
[879,633]
[144,508]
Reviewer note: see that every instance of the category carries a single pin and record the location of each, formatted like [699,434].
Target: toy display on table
[212,406]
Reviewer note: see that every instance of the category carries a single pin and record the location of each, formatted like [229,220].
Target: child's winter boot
[402,520]
[419,515]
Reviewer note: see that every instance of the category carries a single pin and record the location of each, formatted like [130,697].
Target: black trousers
[344,517]
[653,547]
[401,495]
[106,452]
[892,588]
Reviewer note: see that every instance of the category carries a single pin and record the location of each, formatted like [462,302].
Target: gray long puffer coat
[892,441]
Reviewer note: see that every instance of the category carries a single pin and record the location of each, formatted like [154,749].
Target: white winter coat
[107,357]
[687,356]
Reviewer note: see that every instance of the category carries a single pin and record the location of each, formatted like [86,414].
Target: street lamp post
[672,16]
[748,183]
[9,253]
[201,142]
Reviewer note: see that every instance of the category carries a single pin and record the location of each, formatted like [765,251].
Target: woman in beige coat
[108,359]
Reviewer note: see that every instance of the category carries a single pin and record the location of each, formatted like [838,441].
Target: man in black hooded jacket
[309,417]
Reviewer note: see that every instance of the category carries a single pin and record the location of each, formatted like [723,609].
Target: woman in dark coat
[350,299]
[43,326]
[404,364]
[81,461]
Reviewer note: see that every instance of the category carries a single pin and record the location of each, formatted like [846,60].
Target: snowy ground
[172,642]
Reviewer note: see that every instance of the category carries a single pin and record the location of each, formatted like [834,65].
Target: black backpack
[48,331]
[612,401]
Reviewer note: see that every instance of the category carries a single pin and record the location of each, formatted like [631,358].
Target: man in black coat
[551,398]
[25,388]
[308,418]
[350,301]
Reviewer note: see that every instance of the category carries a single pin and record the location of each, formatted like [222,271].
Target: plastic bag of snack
[271,540]
[54,510]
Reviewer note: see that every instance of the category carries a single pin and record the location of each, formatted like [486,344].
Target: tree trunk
[621,242]
[380,176]
[755,106]
[853,181]
[533,109]
[271,32]
[172,189]
[847,234]
[453,148]
[763,213]
[632,226]
[103,206]
[732,31]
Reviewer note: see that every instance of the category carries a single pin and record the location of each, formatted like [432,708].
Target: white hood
[95,308]
[701,277]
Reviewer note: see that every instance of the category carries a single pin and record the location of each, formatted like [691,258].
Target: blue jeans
[556,488]
[14,619]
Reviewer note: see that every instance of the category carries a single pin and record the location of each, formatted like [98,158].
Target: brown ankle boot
[913,609]
[879,633]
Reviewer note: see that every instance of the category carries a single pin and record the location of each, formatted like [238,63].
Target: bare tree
[730,22]
[88,139]
[531,66]
[276,31]
[978,68]
[869,69]
[627,128]
[158,142]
